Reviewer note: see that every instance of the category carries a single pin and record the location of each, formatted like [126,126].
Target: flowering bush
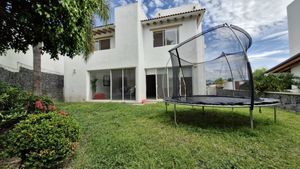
[16,104]
[39,104]
[42,136]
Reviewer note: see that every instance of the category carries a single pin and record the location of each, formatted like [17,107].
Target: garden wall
[290,101]
[52,84]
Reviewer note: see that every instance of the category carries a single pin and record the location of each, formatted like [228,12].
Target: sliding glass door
[117,84]
[129,84]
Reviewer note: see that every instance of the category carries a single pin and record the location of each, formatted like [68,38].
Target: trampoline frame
[250,76]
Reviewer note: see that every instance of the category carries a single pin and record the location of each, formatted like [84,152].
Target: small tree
[57,27]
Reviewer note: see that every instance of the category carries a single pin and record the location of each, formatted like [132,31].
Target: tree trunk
[37,74]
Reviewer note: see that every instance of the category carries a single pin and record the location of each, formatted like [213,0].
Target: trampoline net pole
[251,118]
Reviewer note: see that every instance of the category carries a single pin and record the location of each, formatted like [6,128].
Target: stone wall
[236,93]
[290,101]
[52,84]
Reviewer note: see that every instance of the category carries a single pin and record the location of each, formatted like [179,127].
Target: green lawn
[115,135]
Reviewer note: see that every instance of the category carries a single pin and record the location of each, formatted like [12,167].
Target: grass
[115,135]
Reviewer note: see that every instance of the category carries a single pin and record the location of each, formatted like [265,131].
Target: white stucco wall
[140,68]
[294,27]
[12,61]
[76,82]
[156,57]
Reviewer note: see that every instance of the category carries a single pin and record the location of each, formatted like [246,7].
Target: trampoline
[211,69]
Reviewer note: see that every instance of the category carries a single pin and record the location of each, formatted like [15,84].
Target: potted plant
[94,85]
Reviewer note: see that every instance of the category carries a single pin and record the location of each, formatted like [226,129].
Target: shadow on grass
[215,118]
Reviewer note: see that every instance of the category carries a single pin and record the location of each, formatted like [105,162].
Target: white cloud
[123,2]
[255,16]
[145,8]
[151,4]
[275,35]
[265,54]
[158,3]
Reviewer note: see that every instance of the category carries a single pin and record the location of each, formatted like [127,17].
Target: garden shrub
[16,104]
[43,140]
[12,107]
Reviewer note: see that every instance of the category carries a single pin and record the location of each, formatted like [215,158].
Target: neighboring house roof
[285,65]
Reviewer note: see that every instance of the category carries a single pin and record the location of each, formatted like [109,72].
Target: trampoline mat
[220,100]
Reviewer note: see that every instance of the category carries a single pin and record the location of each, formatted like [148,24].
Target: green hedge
[43,140]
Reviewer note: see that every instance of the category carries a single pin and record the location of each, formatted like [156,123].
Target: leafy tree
[278,82]
[57,27]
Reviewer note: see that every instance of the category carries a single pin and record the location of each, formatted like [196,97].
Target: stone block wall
[52,84]
[290,101]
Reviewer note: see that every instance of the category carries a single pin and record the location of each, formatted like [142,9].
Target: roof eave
[285,65]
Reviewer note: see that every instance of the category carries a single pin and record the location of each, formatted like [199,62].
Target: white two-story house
[130,56]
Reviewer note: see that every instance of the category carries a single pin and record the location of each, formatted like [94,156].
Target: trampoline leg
[232,109]
[202,108]
[259,109]
[275,118]
[175,120]
[251,118]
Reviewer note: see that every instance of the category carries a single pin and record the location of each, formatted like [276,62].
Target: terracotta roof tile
[150,19]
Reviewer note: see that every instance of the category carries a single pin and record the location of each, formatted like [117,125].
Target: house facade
[131,55]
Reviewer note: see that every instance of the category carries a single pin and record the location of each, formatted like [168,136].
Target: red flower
[39,105]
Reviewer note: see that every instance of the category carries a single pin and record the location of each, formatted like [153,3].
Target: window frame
[99,44]
[163,32]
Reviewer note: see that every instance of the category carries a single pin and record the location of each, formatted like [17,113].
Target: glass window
[129,84]
[165,37]
[99,90]
[102,44]
[171,36]
[105,44]
[96,45]
[158,38]
[117,88]
[162,86]
[187,82]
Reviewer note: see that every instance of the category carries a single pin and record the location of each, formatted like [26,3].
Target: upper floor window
[165,37]
[102,44]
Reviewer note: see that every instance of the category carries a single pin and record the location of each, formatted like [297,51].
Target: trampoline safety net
[212,68]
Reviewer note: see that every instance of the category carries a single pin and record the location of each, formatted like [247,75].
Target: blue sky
[265,20]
